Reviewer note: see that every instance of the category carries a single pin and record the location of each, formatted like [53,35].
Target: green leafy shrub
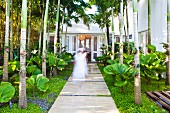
[38,82]
[33,70]
[7,91]
[123,74]
[151,66]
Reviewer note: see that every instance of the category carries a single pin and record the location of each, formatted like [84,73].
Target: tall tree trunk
[56,30]
[44,40]
[113,38]
[40,37]
[168,40]
[107,32]
[121,33]
[18,35]
[11,33]
[6,46]
[29,31]
[48,34]
[137,83]
[62,23]
[127,22]
[22,86]
[149,22]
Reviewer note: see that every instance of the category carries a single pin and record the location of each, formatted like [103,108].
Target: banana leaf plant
[123,74]
[7,91]
[106,55]
[38,82]
[67,57]
[33,70]
[54,61]
[13,67]
[35,60]
[150,66]
[128,60]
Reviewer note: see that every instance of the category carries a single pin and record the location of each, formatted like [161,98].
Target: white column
[92,49]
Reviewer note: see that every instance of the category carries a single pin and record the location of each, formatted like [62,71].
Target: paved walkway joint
[88,96]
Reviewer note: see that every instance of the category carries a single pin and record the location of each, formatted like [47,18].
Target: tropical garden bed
[42,101]
[125,100]
[120,79]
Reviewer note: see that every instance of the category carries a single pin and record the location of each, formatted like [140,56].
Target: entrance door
[96,44]
[85,42]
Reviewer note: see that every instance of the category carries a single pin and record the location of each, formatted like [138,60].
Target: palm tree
[44,40]
[57,22]
[29,29]
[149,23]
[137,83]
[113,38]
[22,86]
[6,45]
[168,40]
[121,33]
[11,32]
[127,22]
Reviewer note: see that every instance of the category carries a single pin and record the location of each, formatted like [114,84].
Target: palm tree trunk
[127,22]
[40,38]
[18,35]
[137,83]
[56,34]
[113,38]
[168,40]
[48,34]
[107,32]
[149,22]
[62,23]
[29,32]
[44,40]
[6,46]
[121,33]
[11,33]
[22,86]
[57,22]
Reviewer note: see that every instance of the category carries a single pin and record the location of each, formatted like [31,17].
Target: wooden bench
[162,99]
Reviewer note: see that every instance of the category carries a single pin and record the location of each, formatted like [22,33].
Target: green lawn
[125,100]
[45,99]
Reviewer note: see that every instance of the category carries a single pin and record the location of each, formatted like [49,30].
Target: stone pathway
[88,96]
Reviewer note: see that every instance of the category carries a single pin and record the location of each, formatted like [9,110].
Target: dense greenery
[125,100]
[55,86]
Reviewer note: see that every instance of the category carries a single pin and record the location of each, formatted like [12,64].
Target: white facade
[158,23]
[79,35]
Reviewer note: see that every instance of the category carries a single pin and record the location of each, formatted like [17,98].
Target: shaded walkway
[89,96]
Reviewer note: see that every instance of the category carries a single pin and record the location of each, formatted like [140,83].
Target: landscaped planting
[42,101]
[125,99]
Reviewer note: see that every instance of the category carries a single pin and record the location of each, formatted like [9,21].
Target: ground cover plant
[42,101]
[125,99]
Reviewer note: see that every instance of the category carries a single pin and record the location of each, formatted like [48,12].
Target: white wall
[130,19]
[142,15]
[158,23]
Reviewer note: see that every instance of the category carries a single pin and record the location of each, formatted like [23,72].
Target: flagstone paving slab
[90,95]
[85,88]
[85,104]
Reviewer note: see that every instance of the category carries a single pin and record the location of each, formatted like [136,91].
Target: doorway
[85,41]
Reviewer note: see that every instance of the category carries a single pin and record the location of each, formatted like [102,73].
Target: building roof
[81,28]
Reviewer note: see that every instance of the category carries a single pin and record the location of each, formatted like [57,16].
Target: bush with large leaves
[54,61]
[151,65]
[122,73]
[7,91]
[38,82]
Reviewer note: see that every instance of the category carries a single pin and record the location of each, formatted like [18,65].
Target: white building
[80,36]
